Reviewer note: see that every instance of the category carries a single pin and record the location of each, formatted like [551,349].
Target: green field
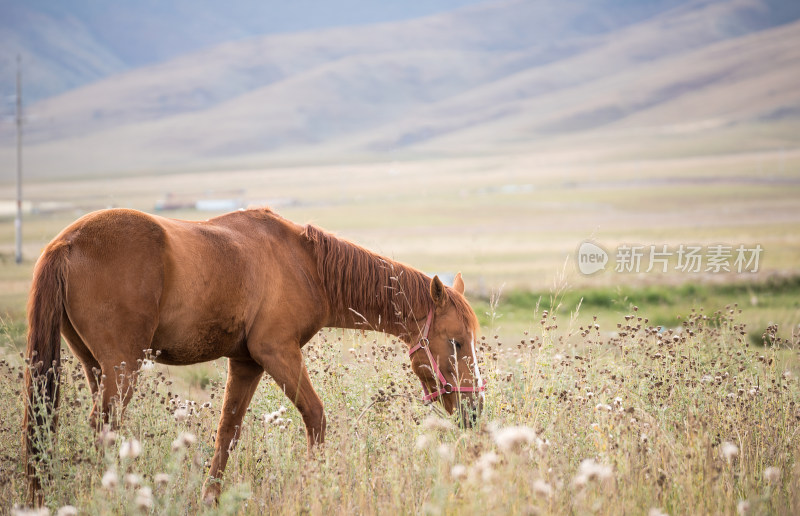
[714,358]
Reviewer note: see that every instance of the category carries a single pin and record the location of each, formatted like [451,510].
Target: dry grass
[686,422]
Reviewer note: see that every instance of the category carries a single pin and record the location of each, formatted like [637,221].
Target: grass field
[658,404]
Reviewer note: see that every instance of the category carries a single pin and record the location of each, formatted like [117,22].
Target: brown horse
[250,286]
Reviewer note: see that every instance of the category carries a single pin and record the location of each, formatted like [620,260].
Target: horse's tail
[45,309]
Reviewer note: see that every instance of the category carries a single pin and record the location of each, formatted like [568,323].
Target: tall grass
[613,417]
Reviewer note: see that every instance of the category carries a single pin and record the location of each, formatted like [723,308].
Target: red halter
[445,386]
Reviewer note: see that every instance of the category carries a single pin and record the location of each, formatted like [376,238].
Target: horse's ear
[458,284]
[438,292]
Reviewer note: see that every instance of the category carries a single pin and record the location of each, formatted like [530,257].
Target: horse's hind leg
[91,367]
[243,378]
[112,345]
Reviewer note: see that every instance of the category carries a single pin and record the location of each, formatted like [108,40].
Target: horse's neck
[365,290]
[401,319]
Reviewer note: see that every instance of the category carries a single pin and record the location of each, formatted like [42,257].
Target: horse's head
[443,355]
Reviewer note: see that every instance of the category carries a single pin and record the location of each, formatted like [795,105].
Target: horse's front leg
[286,366]
[243,377]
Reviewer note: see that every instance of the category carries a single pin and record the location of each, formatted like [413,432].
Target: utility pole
[18,220]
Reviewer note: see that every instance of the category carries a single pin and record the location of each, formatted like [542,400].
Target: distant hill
[482,78]
[70,44]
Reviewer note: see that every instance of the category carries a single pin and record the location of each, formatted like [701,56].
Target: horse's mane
[376,287]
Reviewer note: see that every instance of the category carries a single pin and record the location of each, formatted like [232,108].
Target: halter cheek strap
[445,387]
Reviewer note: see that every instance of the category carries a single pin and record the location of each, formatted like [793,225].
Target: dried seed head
[184,440]
[181,413]
[458,471]
[132,480]
[144,499]
[772,474]
[514,438]
[542,488]
[728,451]
[437,424]
[110,480]
[130,449]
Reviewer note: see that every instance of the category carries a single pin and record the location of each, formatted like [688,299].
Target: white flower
[513,438]
[458,471]
[110,479]
[162,479]
[484,466]
[130,449]
[542,488]
[181,413]
[728,451]
[591,470]
[144,498]
[67,510]
[743,507]
[772,474]
[446,452]
[148,365]
[184,440]
[603,406]
[275,417]
[132,480]
[436,423]
[107,436]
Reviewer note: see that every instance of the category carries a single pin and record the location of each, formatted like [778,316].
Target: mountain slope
[493,76]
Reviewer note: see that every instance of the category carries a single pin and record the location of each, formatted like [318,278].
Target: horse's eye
[455,343]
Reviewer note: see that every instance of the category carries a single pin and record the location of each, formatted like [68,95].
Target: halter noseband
[445,386]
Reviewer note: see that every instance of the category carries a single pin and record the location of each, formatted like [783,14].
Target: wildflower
[787,375]
[132,480]
[513,438]
[772,474]
[728,451]
[603,406]
[148,365]
[446,452]
[743,507]
[458,471]
[275,417]
[181,413]
[162,479]
[591,470]
[422,442]
[484,466]
[437,424]
[110,480]
[542,488]
[144,498]
[130,449]
[67,510]
[184,440]
[107,436]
